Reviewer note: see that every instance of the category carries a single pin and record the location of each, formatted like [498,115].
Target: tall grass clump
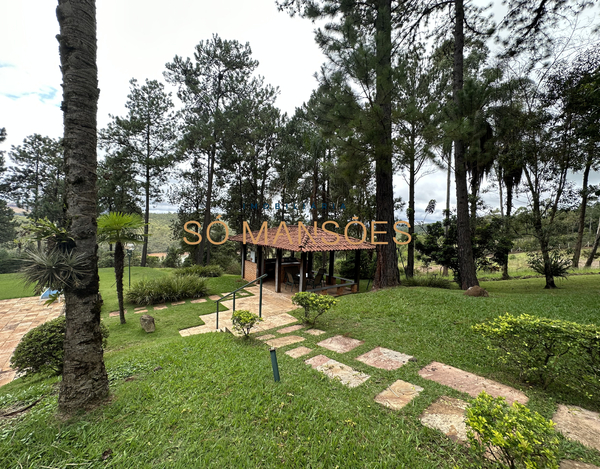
[167,288]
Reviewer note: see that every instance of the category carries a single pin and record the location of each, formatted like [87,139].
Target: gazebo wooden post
[302,286]
[244,249]
[259,261]
[330,280]
[278,256]
[356,288]
[309,268]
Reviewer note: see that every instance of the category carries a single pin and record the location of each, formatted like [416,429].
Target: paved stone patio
[340,344]
[17,317]
[578,424]
[336,370]
[470,383]
[398,394]
[298,352]
[384,358]
[447,414]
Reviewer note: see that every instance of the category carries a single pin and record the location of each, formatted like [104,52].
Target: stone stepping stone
[298,352]
[314,332]
[158,308]
[141,311]
[398,394]
[447,415]
[470,383]
[384,358]
[566,464]
[578,424]
[336,370]
[288,329]
[272,322]
[340,344]
[265,337]
[178,303]
[283,341]
[141,307]
[112,314]
[214,297]
[200,300]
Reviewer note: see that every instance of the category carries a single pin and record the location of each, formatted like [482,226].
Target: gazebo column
[278,256]
[309,269]
[302,286]
[244,247]
[259,261]
[330,280]
[356,287]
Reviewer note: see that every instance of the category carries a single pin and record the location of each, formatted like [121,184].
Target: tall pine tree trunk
[207,208]
[84,382]
[590,258]
[386,273]
[410,261]
[584,199]
[466,262]
[146,216]
[447,214]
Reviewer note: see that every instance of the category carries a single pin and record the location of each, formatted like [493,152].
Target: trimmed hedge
[547,350]
[42,348]
[200,271]
[167,288]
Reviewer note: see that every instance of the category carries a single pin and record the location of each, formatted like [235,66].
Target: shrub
[167,288]
[314,305]
[367,266]
[107,259]
[41,349]
[559,263]
[515,436]
[243,320]
[201,271]
[427,281]
[547,349]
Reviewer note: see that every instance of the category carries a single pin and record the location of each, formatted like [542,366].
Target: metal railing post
[260,300]
[234,301]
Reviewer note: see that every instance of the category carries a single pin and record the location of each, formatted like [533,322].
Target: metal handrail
[241,288]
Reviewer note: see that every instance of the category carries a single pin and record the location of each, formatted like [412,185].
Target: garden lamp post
[130,247]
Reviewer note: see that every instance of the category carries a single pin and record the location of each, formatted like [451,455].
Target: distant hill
[160,232]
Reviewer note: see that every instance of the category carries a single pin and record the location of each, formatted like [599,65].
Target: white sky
[135,40]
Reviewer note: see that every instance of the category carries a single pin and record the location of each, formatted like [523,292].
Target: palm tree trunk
[119,268]
[85,381]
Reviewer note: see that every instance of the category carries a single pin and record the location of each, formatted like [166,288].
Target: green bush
[201,271]
[367,266]
[167,288]
[243,320]
[314,305]
[545,350]
[107,259]
[41,349]
[560,262]
[514,436]
[427,281]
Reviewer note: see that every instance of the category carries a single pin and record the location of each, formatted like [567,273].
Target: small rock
[157,368]
[476,291]
[412,359]
[147,323]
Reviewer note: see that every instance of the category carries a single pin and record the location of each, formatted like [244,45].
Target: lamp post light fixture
[130,247]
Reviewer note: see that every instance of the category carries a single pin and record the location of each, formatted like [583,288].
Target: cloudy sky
[135,40]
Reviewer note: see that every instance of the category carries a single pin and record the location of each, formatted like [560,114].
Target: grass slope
[213,403]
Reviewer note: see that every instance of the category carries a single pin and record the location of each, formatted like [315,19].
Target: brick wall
[250,270]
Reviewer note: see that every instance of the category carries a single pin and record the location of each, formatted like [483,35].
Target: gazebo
[295,238]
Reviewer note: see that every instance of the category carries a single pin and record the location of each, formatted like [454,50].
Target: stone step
[336,370]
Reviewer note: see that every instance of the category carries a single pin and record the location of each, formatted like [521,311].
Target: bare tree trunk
[84,381]
[386,273]
[410,257]
[146,217]
[119,268]
[590,258]
[447,216]
[584,199]
[209,189]
[466,262]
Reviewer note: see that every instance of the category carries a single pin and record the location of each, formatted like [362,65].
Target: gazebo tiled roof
[322,241]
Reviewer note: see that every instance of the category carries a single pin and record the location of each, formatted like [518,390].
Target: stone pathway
[447,414]
[470,383]
[298,352]
[340,344]
[578,424]
[384,358]
[17,317]
[398,394]
[283,341]
[336,370]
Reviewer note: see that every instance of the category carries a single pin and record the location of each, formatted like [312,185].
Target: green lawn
[214,402]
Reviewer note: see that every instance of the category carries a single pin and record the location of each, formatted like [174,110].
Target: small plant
[41,349]
[201,271]
[314,305]
[167,288]
[514,436]
[243,320]
[560,263]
